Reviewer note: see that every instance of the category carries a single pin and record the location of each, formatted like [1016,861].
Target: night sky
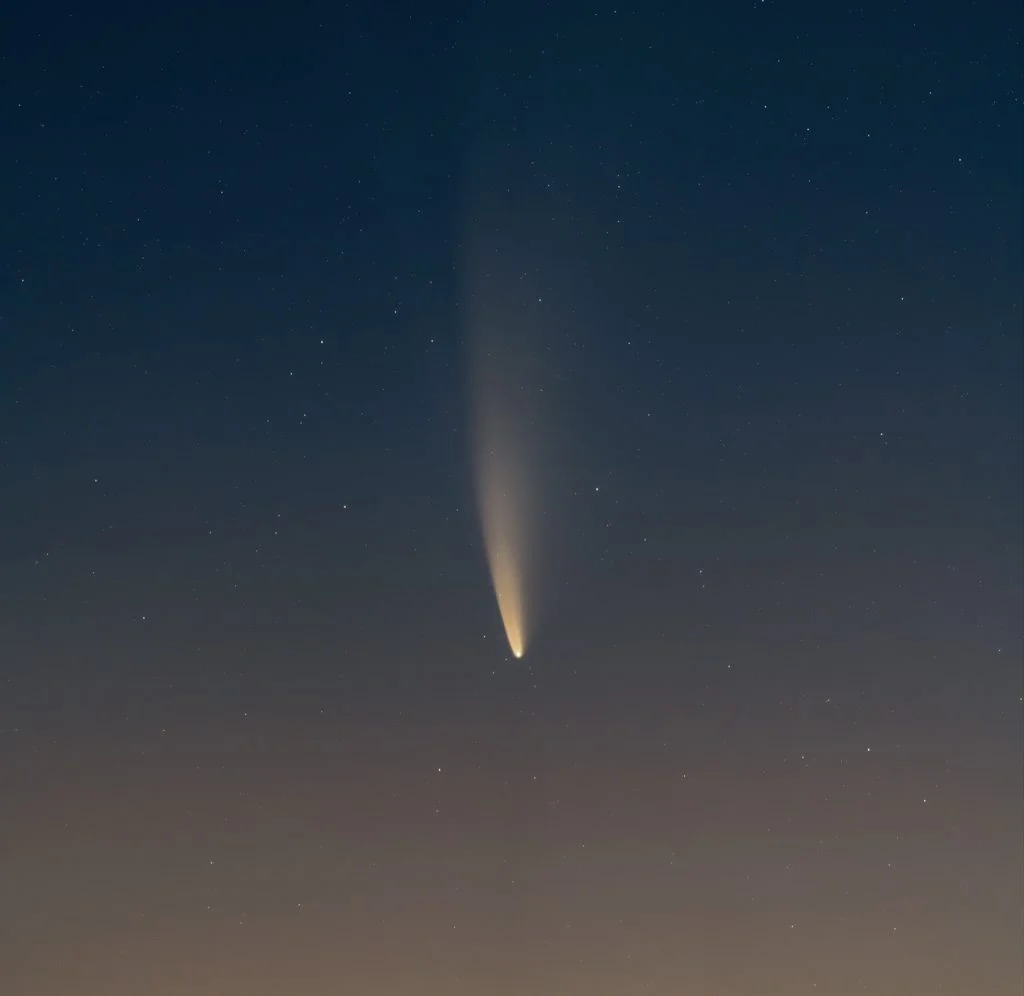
[752,277]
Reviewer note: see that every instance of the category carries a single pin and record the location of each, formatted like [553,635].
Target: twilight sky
[753,278]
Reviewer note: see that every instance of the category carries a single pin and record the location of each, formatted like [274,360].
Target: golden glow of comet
[502,503]
[508,339]
[503,382]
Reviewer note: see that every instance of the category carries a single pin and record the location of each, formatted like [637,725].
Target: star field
[748,278]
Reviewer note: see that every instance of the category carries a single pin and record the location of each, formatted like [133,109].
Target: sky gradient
[758,274]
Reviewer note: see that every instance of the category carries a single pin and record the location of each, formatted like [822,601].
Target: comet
[508,339]
[502,507]
[504,410]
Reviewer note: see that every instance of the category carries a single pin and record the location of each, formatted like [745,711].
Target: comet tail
[502,508]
